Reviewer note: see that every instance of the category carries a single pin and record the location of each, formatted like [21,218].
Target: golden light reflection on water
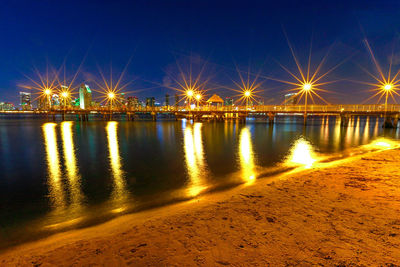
[246,156]
[356,136]
[194,156]
[376,127]
[120,193]
[302,153]
[349,133]
[53,163]
[366,131]
[337,134]
[70,165]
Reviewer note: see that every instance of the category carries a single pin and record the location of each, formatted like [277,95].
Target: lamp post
[111,97]
[306,88]
[47,92]
[189,95]
[247,95]
[198,98]
[387,88]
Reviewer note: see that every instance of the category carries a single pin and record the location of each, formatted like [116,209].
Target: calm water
[58,176]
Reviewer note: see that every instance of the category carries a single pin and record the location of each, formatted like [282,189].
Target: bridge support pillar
[390,122]
[271,118]
[305,119]
[344,120]
[396,121]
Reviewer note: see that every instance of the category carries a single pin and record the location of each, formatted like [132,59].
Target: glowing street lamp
[65,96]
[307,87]
[47,93]
[198,98]
[387,88]
[247,95]
[111,97]
[190,93]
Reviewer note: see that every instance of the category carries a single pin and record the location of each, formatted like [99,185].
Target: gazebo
[215,99]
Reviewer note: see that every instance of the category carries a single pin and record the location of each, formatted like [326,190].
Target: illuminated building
[6,106]
[55,100]
[25,100]
[228,101]
[132,102]
[291,99]
[150,101]
[85,96]
[42,103]
[167,100]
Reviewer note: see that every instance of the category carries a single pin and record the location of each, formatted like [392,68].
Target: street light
[47,92]
[190,93]
[247,95]
[111,95]
[198,98]
[387,88]
[306,88]
[65,96]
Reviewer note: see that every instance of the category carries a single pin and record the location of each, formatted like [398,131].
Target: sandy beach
[346,213]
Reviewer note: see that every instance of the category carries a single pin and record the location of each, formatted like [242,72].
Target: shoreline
[342,212]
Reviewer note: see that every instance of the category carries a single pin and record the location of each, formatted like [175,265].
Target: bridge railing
[250,109]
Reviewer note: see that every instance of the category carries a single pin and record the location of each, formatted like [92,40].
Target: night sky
[160,35]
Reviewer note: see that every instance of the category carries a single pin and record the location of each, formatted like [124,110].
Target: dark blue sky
[159,33]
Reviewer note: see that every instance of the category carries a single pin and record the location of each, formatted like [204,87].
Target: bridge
[390,112]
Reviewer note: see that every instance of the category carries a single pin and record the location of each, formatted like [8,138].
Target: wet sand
[344,214]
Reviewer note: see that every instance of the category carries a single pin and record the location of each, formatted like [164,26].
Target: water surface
[55,176]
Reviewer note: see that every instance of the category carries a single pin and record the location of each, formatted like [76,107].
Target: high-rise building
[6,106]
[85,96]
[132,102]
[25,100]
[55,100]
[150,101]
[228,101]
[291,99]
[167,100]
